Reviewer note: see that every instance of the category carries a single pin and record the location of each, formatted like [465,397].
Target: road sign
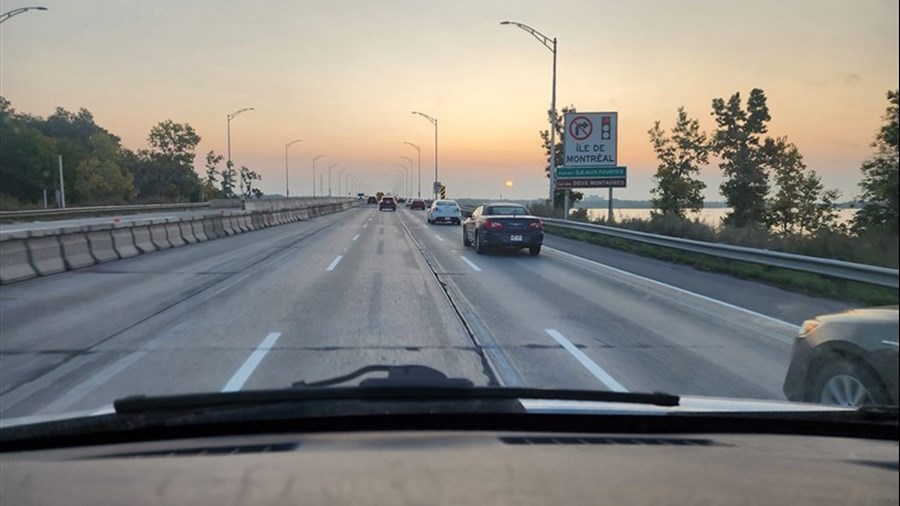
[590,139]
[590,182]
[443,192]
[590,172]
[437,187]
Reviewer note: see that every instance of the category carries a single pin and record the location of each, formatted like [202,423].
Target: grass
[796,281]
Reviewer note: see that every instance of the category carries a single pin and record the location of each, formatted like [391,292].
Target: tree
[27,158]
[879,185]
[166,171]
[247,178]
[801,204]
[738,142]
[100,178]
[574,196]
[680,157]
[210,191]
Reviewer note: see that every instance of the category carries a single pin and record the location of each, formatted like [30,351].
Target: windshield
[191,197]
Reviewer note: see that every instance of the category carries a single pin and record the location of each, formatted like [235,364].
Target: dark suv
[387,203]
[372,200]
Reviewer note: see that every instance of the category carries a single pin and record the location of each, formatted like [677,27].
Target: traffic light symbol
[605,128]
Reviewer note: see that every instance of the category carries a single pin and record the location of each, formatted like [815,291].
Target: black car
[372,200]
[387,203]
[847,359]
[503,226]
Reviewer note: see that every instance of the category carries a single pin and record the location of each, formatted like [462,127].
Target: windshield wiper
[403,383]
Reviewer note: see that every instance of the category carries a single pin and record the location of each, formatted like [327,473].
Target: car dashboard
[453,468]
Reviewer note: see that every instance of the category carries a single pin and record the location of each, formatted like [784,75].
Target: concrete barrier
[142,240]
[14,263]
[123,241]
[199,231]
[24,255]
[173,234]
[159,236]
[76,249]
[101,243]
[45,252]
[187,231]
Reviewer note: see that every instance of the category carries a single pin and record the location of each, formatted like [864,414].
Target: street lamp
[333,165]
[408,176]
[314,174]
[402,176]
[419,151]
[551,45]
[8,14]
[434,122]
[231,117]
[340,172]
[347,182]
[405,178]
[287,190]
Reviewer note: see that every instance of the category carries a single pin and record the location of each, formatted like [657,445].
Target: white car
[444,211]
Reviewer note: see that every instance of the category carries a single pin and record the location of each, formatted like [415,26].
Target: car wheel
[479,247]
[466,241]
[845,382]
[535,250]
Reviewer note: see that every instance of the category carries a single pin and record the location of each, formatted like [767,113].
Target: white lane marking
[345,250]
[471,264]
[588,364]
[243,374]
[92,383]
[439,238]
[334,263]
[679,290]
[366,225]
[104,410]
[355,237]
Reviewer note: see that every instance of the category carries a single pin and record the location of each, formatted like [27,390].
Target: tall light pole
[287,190]
[231,117]
[8,14]
[402,176]
[340,172]
[333,165]
[314,174]
[551,45]
[434,122]
[408,176]
[405,178]
[347,182]
[419,151]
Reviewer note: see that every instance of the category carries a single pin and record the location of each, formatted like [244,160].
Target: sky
[345,75]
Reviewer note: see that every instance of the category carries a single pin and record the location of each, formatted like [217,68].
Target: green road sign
[590,172]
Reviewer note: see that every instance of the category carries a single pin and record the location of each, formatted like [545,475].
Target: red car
[417,204]
[387,203]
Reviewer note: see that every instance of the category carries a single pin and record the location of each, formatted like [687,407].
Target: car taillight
[493,224]
[536,224]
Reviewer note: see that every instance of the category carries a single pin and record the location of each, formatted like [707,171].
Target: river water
[711,216]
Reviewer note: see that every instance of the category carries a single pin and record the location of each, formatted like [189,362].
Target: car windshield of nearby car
[204,197]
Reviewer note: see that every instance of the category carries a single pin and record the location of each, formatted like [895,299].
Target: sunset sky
[345,75]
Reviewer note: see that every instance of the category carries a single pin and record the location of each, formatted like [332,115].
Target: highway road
[322,297]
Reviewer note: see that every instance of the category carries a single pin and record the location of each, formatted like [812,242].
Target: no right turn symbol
[581,128]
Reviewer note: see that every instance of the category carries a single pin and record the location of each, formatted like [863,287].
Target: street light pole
[8,14]
[231,117]
[347,182]
[405,179]
[434,122]
[341,172]
[333,165]
[314,174]
[419,151]
[551,45]
[287,190]
[408,176]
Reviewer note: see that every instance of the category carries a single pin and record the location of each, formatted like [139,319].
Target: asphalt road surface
[320,298]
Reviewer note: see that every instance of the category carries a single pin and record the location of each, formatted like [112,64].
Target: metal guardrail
[80,211]
[862,273]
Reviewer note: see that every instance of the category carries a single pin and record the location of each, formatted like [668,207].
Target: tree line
[98,169]
[766,183]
